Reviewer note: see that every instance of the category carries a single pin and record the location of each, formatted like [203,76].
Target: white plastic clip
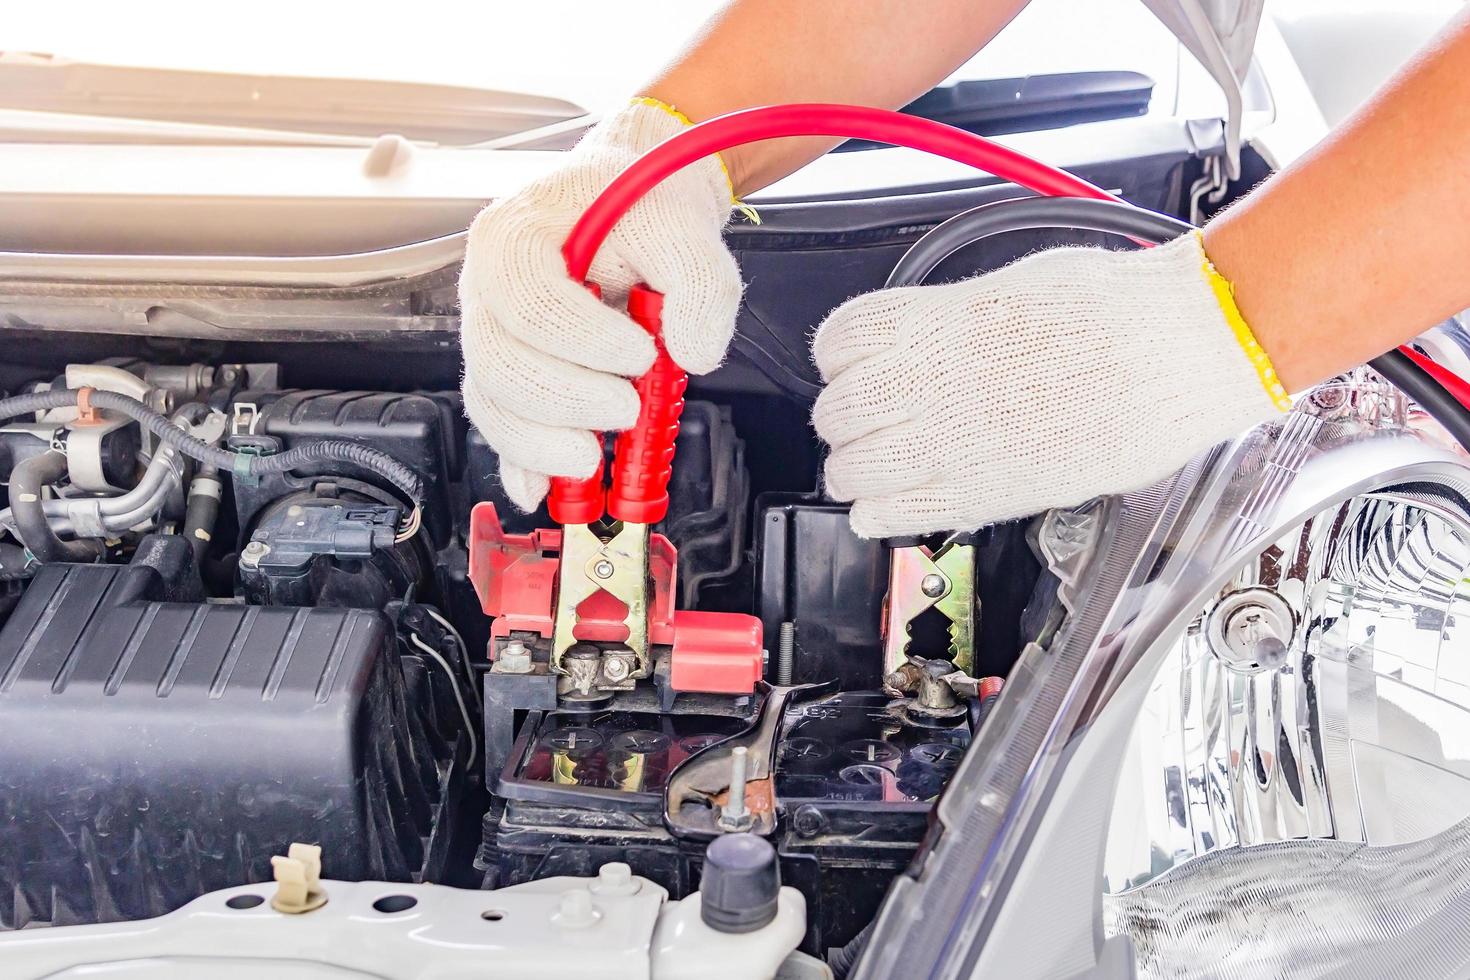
[298,880]
[246,417]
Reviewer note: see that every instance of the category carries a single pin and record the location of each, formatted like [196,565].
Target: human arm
[879,53]
[1365,241]
[1076,372]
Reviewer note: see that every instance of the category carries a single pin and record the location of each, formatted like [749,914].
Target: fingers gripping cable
[1439,391]
[643,456]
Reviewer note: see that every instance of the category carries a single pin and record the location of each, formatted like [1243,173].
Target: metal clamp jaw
[608,558]
[517,578]
[919,580]
[602,587]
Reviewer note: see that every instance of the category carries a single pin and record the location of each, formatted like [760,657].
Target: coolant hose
[27,480]
[202,512]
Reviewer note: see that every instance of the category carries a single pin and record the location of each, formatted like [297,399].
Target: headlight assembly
[1240,746]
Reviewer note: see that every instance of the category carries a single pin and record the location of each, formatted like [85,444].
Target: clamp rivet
[603,569]
[932,585]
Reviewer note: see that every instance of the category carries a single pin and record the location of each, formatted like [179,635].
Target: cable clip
[86,412]
[243,469]
[246,417]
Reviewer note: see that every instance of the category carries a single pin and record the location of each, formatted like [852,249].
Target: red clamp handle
[643,456]
[577,501]
[572,501]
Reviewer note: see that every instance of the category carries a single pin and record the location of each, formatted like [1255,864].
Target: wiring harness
[244,465]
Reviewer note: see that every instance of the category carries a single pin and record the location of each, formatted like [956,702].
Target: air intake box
[151,751]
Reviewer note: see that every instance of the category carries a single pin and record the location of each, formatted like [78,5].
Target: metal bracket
[1209,187]
[245,418]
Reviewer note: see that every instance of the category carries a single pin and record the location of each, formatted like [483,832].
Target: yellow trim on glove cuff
[1224,292]
[738,204]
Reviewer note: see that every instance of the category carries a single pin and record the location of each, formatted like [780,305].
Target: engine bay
[263,590]
[198,668]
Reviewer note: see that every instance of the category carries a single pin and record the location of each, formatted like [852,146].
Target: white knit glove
[1071,373]
[546,363]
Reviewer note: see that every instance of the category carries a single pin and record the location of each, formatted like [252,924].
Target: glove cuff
[647,122]
[1224,293]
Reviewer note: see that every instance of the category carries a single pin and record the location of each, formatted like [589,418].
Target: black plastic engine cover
[153,751]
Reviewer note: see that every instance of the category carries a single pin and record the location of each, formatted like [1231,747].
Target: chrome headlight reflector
[1248,702]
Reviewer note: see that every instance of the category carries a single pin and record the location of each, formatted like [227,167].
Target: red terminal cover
[716,653]
[514,576]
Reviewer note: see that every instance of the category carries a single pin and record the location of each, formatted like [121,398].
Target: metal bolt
[785,654]
[253,552]
[808,821]
[616,668]
[514,658]
[582,664]
[603,569]
[734,817]
[932,585]
[905,678]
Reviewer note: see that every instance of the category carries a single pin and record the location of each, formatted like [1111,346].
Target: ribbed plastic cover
[157,750]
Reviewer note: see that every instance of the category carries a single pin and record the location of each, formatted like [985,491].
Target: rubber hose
[1029,214]
[847,957]
[1125,219]
[202,512]
[365,457]
[27,481]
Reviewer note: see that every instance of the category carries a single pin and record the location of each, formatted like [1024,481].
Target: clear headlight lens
[1354,742]
[1240,746]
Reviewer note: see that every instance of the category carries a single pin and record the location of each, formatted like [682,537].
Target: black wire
[1401,372]
[1124,219]
[1030,214]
